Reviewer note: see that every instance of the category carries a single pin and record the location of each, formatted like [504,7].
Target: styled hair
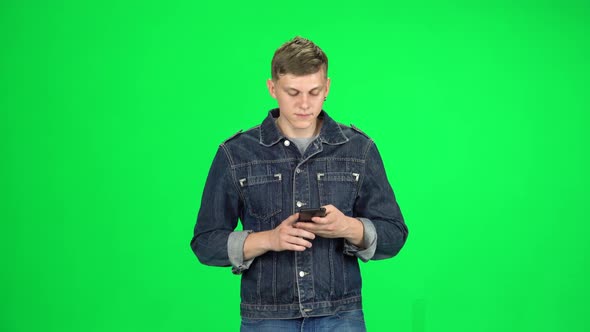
[299,57]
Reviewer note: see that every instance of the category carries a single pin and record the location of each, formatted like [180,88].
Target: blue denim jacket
[260,178]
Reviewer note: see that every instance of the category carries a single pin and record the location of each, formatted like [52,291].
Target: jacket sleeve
[218,214]
[369,242]
[376,202]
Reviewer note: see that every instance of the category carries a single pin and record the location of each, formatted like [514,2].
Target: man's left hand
[335,225]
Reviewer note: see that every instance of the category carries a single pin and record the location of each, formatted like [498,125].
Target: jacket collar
[330,133]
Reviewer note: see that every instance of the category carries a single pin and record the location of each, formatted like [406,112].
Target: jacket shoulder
[352,131]
[358,130]
[251,134]
[232,137]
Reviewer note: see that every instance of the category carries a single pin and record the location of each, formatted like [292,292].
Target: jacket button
[301,274]
[299,204]
[287,143]
[297,170]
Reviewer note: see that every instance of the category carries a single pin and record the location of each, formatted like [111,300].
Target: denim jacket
[260,178]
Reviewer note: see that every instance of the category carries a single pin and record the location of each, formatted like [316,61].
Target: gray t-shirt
[302,142]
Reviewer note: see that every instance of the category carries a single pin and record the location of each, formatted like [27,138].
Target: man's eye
[293,94]
[315,94]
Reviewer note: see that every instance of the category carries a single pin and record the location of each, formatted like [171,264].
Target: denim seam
[291,306]
[232,172]
[286,160]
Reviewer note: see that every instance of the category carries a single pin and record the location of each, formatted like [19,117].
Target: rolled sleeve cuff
[235,251]
[369,242]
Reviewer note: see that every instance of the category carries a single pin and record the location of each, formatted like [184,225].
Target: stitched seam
[232,174]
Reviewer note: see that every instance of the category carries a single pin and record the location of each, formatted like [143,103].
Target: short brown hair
[299,57]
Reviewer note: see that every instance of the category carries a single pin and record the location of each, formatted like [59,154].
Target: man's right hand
[287,237]
[283,237]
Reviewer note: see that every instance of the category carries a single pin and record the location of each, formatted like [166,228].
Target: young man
[298,275]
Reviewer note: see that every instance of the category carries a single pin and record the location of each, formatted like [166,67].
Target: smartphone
[308,213]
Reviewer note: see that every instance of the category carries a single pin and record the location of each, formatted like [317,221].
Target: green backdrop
[111,113]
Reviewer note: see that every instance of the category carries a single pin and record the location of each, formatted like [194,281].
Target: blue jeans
[347,321]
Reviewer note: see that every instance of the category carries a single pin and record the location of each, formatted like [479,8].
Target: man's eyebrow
[291,88]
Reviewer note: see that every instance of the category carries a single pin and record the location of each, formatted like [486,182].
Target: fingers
[309,228]
[288,237]
[299,243]
[332,215]
[291,219]
[329,208]
[298,236]
[324,220]
[320,220]
[330,226]
[292,242]
[304,234]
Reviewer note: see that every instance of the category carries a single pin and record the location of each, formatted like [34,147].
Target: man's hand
[287,237]
[335,225]
[283,237]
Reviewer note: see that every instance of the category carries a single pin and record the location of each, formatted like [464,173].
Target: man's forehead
[311,81]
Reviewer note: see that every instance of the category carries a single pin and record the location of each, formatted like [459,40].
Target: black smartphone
[308,213]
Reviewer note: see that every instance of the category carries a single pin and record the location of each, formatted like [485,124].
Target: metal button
[297,170]
[299,204]
[301,274]
[287,143]
[307,310]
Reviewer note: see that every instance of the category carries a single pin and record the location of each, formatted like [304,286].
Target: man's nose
[304,101]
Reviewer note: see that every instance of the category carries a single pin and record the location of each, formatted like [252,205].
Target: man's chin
[302,126]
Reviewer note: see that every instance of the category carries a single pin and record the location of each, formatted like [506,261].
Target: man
[298,275]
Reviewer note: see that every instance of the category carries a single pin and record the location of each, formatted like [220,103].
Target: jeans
[347,321]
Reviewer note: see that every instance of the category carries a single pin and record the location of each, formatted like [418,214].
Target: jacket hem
[294,310]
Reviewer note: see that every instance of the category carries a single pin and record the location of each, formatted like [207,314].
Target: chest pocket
[263,195]
[338,189]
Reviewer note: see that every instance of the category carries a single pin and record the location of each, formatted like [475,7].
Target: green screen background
[111,113]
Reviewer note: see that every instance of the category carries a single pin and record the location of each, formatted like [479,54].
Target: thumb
[292,219]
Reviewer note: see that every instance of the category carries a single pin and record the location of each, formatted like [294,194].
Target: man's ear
[271,88]
[327,86]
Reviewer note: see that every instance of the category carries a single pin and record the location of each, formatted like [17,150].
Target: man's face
[300,100]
